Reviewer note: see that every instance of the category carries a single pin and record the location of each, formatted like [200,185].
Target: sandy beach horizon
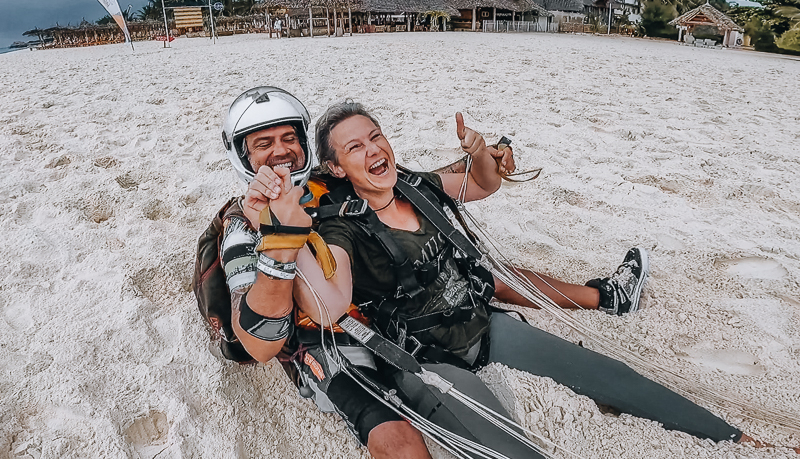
[112,166]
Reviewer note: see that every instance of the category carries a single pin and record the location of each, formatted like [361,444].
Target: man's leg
[563,294]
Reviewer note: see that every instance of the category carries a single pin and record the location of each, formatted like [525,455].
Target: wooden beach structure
[706,16]
[501,16]
[302,18]
[87,34]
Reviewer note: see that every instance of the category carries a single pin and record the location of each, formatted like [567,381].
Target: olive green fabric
[374,277]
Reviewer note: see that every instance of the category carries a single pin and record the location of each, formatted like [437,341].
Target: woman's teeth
[376,168]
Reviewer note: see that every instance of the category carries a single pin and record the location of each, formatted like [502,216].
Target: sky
[17,16]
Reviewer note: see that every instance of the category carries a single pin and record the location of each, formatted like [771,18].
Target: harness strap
[443,197]
[435,354]
[339,203]
[438,219]
[446,318]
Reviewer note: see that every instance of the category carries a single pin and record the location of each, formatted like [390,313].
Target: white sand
[111,165]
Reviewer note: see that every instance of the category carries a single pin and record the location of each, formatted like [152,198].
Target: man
[265,135]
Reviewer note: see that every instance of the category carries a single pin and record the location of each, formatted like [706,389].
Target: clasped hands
[273,188]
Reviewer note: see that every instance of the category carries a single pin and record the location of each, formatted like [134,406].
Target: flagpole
[166,27]
[127,35]
[211,16]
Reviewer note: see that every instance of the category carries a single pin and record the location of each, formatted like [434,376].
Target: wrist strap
[276,269]
[283,229]
[282,241]
[277,236]
[264,328]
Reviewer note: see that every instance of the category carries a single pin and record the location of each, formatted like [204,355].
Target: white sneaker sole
[637,293]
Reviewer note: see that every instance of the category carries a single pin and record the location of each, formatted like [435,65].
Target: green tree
[151,12]
[683,6]
[107,19]
[655,19]
[790,39]
[237,7]
[773,28]
[37,32]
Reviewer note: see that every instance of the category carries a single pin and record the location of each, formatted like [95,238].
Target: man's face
[277,146]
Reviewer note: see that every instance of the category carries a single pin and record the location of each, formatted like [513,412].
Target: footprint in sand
[669,243]
[727,360]
[17,315]
[147,435]
[754,268]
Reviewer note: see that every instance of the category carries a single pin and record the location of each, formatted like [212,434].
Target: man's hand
[471,141]
[287,206]
[265,187]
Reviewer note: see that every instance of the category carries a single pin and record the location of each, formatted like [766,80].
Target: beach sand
[111,165]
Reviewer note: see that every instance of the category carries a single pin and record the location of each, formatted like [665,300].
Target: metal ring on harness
[346,211]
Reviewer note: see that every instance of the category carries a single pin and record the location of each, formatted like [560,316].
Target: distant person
[278,26]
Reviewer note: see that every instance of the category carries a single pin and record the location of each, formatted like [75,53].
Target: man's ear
[337,171]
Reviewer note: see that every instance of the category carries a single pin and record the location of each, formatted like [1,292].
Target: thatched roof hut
[708,16]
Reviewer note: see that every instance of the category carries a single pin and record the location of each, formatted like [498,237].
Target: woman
[352,146]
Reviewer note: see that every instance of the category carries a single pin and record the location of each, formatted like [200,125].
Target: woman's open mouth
[380,167]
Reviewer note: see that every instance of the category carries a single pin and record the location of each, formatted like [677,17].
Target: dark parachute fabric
[445,411]
[210,287]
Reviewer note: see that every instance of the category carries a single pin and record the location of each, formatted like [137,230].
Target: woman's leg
[603,379]
[563,294]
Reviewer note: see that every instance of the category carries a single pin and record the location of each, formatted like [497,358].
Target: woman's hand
[471,141]
[265,187]
[474,144]
[504,159]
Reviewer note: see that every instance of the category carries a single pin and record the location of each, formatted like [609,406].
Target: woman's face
[364,155]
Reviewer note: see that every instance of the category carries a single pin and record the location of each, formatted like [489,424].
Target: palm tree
[151,11]
[107,19]
[237,7]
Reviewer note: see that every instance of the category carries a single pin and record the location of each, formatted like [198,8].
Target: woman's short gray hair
[334,115]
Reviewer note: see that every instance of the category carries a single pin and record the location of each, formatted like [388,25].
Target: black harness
[388,312]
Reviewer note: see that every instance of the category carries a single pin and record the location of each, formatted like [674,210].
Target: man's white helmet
[261,108]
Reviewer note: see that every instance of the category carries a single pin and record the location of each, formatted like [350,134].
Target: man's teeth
[377,164]
[286,165]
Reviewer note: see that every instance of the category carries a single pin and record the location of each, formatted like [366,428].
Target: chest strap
[340,203]
[437,217]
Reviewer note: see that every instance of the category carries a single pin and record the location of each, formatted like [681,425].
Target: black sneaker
[620,293]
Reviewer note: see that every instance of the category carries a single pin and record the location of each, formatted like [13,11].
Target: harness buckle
[483,285]
[353,208]
[416,180]
[417,345]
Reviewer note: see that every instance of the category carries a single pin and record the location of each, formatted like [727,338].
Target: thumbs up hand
[471,141]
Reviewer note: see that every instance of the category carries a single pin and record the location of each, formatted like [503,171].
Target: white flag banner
[112,6]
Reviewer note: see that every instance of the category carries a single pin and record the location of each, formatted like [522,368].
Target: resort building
[705,20]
